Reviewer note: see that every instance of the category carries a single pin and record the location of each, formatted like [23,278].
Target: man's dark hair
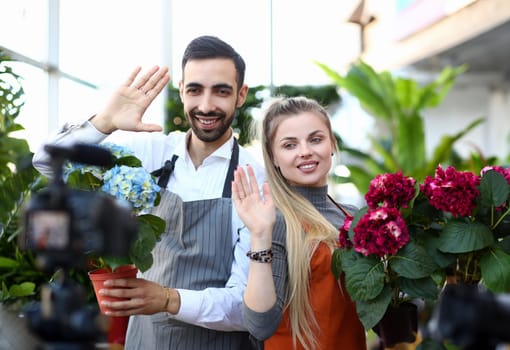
[207,46]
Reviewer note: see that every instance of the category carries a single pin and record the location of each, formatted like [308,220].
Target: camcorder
[62,226]
[472,317]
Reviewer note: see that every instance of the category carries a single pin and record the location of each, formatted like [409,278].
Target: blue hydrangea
[135,185]
[70,167]
[117,151]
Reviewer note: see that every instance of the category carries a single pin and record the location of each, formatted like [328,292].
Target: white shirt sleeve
[68,135]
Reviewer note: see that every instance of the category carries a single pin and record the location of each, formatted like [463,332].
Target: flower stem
[468,270]
[500,218]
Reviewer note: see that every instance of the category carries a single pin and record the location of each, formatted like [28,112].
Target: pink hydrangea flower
[452,191]
[390,190]
[503,171]
[380,231]
[343,235]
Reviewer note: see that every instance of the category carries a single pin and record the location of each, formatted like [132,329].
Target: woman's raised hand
[257,212]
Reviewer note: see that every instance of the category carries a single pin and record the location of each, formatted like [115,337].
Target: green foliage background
[19,277]
[398,103]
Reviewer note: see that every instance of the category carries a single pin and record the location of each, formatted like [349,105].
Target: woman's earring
[332,154]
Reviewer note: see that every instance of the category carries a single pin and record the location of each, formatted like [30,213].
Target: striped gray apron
[195,252]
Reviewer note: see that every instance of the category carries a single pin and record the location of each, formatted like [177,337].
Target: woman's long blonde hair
[300,216]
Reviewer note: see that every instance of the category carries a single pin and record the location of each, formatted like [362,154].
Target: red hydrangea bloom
[503,171]
[380,231]
[343,235]
[390,190]
[452,191]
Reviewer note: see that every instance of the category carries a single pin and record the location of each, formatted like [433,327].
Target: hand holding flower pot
[127,181]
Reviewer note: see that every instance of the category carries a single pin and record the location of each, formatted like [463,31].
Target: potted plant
[126,180]
[383,264]
[410,237]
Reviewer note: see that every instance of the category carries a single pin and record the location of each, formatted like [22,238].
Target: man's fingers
[156,81]
[160,85]
[149,127]
[132,76]
[141,83]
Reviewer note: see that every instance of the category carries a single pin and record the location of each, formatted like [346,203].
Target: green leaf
[85,181]
[431,244]
[442,85]
[149,231]
[445,147]
[354,223]
[493,189]
[495,268]
[424,288]
[156,224]
[113,262]
[372,311]
[7,263]
[390,163]
[505,244]
[407,92]
[364,276]
[357,84]
[22,290]
[336,263]
[410,143]
[130,161]
[412,261]
[463,237]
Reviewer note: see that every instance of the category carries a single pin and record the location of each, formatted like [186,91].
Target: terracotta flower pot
[117,330]
[118,325]
[98,277]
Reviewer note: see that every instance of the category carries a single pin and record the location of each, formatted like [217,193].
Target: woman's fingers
[252,179]
[268,196]
[245,184]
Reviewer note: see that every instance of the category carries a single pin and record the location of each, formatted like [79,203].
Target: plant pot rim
[105,273]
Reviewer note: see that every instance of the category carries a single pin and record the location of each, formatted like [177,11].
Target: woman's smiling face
[302,149]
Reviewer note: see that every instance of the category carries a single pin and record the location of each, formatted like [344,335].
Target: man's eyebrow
[223,86]
[193,85]
[216,86]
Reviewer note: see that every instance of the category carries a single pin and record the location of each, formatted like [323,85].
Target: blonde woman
[293,301]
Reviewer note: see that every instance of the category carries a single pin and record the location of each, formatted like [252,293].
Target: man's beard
[211,135]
